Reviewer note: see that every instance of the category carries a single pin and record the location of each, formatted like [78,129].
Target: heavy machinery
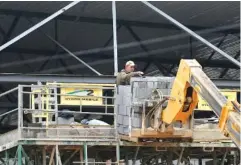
[190,81]
[151,107]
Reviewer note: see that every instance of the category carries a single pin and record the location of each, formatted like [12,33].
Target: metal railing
[43,104]
[12,135]
[8,137]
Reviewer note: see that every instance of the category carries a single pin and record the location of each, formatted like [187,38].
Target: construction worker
[124,76]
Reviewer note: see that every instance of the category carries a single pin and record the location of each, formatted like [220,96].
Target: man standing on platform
[124,76]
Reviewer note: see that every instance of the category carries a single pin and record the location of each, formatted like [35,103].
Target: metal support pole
[180,157]
[52,156]
[215,158]
[20,107]
[126,160]
[81,155]
[9,91]
[70,157]
[169,158]
[118,153]
[38,25]
[56,154]
[27,159]
[115,38]
[224,157]
[192,33]
[11,111]
[86,153]
[6,157]
[136,153]
[44,156]
[234,158]
[20,154]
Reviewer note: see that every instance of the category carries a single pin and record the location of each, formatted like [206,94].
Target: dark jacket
[123,78]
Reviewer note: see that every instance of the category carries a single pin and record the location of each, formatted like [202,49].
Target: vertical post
[200,161]
[6,157]
[118,153]
[169,158]
[224,157]
[114,38]
[52,156]
[20,106]
[56,154]
[180,157]
[44,156]
[234,158]
[86,153]
[136,153]
[215,158]
[20,154]
[126,160]
[81,155]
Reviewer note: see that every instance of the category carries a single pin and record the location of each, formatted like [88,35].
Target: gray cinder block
[126,120]
[119,119]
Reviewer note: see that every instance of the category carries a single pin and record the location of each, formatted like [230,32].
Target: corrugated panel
[232,74]
[81,36]
[231,45]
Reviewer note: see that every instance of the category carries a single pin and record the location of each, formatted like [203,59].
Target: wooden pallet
[151,135]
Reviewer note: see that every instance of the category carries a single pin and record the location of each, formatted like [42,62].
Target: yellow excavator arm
[191,81]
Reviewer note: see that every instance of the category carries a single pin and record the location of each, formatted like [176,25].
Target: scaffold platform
[65,144]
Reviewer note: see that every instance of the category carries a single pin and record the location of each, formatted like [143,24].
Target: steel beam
[69,52]
[34,78]
[195,35]
[31,14]
[218,45]
[10,31]
[111,37]
[115,38]
[144,55]
[163,60]
[222,74]
[136,153]
[4,46]
[121,46]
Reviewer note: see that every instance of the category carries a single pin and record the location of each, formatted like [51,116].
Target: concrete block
[136,122]
[126,120]
[119,119]
[126,130]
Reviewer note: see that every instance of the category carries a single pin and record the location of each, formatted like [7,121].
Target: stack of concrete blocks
[130,100]
[123,105]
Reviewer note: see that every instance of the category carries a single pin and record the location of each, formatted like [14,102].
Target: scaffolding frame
[20,142]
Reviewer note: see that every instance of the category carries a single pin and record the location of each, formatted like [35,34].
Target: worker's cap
[130,63]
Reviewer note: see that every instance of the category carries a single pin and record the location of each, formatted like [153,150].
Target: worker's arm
[125,77]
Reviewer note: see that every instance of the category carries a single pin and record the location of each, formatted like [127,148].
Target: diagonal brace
[226,69]
[69,52]
[192,33]
[4,46]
